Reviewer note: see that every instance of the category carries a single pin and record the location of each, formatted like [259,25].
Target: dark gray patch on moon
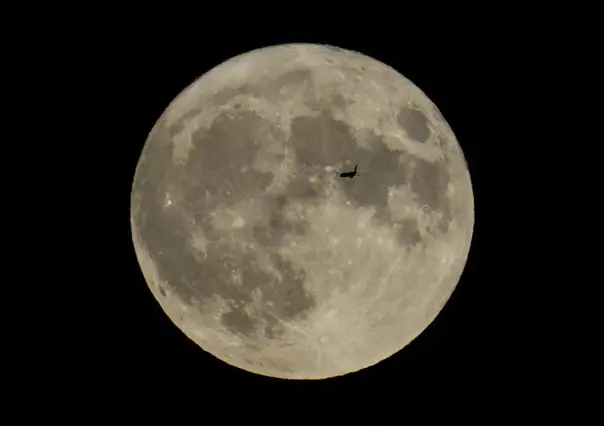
[219,165]
[415,124]
[301,188]
[287,294]
[179,125]
[220,158]
[445,222]
[322,140]
[162,230]
[271,235]
[296,78]
[429,181]
[272,232]
[338,102]
[408,233]
[283,295]
[274,329]
[384,170]
[238,321]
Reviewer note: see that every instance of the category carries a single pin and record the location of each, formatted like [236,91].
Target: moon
[266,258]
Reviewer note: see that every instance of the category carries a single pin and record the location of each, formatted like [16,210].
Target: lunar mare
[259,253]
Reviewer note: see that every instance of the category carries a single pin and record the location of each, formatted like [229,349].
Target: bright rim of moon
[260,253]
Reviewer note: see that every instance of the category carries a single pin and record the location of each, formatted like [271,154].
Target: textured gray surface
[244,231]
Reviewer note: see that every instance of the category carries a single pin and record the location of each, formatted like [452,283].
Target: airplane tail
[357,173]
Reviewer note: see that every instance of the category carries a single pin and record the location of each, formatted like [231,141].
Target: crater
[415,124]
[162,291]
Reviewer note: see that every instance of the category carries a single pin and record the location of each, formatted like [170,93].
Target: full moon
[260,252]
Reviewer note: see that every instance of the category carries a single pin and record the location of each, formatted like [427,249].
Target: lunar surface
[264,256]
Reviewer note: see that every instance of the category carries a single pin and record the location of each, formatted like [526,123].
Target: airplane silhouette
[350,174]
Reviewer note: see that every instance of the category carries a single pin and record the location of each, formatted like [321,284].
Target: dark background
[117,347]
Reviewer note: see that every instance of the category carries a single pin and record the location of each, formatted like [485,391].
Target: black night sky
[124,348]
